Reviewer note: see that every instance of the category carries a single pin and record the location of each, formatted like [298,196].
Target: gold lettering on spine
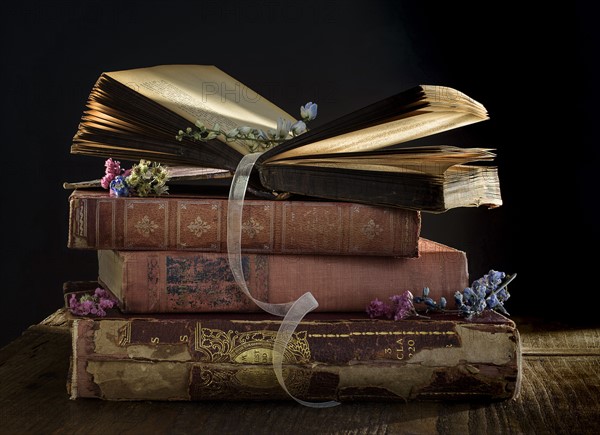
[124,335]
[400,350]
[404,350]
[411,348]
[155,340]
[255,347]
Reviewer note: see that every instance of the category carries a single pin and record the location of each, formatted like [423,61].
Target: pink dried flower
[112,169]
[105,181]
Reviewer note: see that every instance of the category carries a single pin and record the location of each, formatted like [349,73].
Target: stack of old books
[349,233]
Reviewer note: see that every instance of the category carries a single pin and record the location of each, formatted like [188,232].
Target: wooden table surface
[560,394]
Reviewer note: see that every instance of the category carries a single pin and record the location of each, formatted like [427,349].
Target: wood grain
[560,394]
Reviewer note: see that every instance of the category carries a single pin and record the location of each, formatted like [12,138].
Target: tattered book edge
[73,385]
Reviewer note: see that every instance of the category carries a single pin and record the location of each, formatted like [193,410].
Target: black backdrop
[532,68]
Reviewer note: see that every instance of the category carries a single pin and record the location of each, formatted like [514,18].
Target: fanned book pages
[360,157]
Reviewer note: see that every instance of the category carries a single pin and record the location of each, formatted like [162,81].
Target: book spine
[97,221]
[352,360]
[174,281]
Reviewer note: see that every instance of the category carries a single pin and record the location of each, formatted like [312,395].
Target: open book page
[449,97]
[423,123]
[433,169]
[428,160]
[204,92]
[472,186]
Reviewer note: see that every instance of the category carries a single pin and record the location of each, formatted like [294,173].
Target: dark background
[531,68]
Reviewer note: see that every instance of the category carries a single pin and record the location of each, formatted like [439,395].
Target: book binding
[342,357]
[198,223]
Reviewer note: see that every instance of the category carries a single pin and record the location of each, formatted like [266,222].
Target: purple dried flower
[73,302]
[92,304]
[105,304]
[378,308]
[101,293]
[404,305]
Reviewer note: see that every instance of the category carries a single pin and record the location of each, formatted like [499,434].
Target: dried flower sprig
[148,178]
[143,179]
[112,170]
[486,293]
[255,139]
[92,304]
[402,307]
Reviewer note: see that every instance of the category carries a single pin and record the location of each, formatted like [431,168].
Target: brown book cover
[199,223]
[344,357]
[184,281]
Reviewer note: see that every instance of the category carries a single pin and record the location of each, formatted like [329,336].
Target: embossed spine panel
[181,281]
[215,357]
[97,221]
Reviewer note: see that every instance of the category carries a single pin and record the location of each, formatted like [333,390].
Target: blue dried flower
[458,299]
[469,295]
[487,292]
[283,128]
[495,278]
[298,128]
[492,301]
[443,303]
[308,112]
[119,187]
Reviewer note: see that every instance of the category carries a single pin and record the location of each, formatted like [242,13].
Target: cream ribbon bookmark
[292,312]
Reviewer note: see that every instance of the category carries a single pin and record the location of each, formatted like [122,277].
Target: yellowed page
[206,93]
[379,136]
[450,97]
[379,167]
[433,167]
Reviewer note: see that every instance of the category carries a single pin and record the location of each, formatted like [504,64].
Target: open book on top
[360,157]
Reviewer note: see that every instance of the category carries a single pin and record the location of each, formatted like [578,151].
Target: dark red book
[196,222]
